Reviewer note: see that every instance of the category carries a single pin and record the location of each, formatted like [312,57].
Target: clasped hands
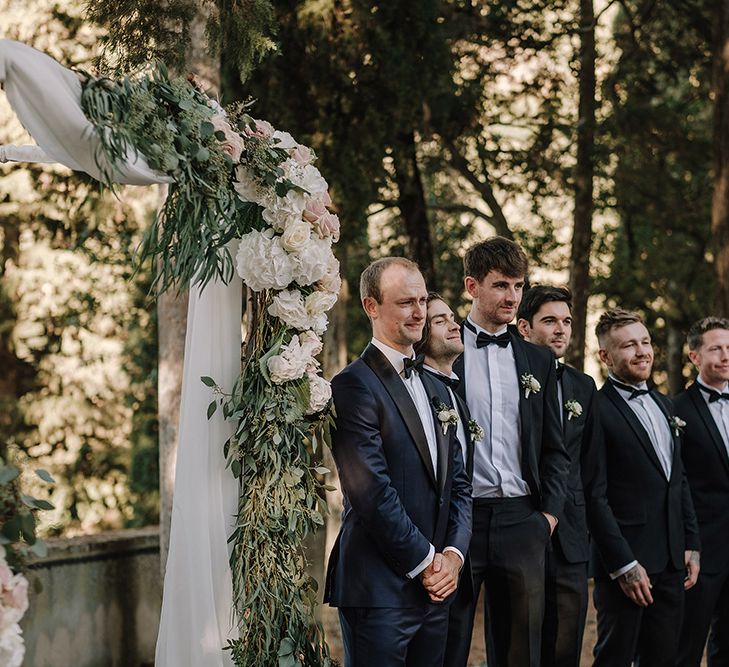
[440,578]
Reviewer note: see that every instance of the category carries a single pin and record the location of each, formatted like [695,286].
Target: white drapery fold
[197,613]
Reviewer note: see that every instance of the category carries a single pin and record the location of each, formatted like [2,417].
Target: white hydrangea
[320,302]
[314,262]
[247,186]
[296,358]
[331,280]
[320,392]
[263,263]
[289,307]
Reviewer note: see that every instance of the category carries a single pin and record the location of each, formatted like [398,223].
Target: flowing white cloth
[46,97]
[196,618]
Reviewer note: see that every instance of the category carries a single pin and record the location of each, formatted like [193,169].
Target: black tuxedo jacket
[464,415]
[649,518]
[395,503]
[582,447]
[707,469]
[544,461]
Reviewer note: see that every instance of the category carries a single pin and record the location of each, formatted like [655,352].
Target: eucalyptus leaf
[45,476]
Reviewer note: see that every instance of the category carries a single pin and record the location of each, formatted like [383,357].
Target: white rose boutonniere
[446,416]
[677,425]
[530,384]
[475,430]
[574,409]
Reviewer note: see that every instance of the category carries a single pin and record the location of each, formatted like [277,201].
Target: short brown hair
[536,296]
[495,254]
[369,281]
[615,318]
[422,344]
[695,336]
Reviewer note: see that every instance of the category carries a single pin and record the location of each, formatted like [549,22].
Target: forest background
[594,134]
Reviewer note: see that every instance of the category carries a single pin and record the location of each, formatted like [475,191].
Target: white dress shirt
[417,392]
[460,427]
[719,411]
[492,392]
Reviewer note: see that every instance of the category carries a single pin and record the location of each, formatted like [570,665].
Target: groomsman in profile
[406,522]
[442,345]
[545,318]
[519,467]
[645,544]
[704,406]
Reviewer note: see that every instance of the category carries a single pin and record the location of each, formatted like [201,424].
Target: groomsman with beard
[645,544]
[406,523]
[519,467]
[545,318]
[704,406]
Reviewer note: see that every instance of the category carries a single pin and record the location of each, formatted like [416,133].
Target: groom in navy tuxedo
[406,523]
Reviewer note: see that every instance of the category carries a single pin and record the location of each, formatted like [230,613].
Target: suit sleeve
[459,518]
[364,476]
[614,550]
[690,523]
[554,462]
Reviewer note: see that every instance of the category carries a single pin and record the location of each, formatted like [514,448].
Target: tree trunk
[172,319]
[413,210]
[720,202]
[584,174]
[674,359]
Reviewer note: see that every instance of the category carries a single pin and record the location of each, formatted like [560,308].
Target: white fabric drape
[196,609]
[197,618]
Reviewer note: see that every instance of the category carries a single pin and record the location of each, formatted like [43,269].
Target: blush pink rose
[233,143]
[264,129]
[328,225]
[302,154]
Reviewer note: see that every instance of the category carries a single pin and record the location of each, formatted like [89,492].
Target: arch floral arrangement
[237,178]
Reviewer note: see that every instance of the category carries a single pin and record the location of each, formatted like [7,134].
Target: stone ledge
[101,546]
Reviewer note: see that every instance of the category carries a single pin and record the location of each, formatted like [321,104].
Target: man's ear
[524,329]
[604,356]
[693,357]
[370,307]
[471,285]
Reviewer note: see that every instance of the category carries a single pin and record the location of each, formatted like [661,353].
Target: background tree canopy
[437,123]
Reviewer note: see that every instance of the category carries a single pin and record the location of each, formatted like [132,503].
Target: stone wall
[99,603]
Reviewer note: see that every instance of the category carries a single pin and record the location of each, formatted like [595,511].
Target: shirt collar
[703,384]
[395,357]
[640,385]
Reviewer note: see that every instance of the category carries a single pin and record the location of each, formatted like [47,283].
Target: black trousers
[565,611]
[706,614]
[507,557]
[627,632]
[388,637]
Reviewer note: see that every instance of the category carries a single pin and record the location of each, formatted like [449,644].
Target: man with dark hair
[406,523]
[645,543]
[519,467]
[704,406]
[545,318]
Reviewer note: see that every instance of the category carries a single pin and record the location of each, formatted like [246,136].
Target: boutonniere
[574,409]
[475,430]
[530,384]
[446,416]
[677,425]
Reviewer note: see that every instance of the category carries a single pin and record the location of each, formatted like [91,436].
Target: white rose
[320,302]
[263,263]
[313,262]
[311,343]
[284,140]
[319,324]
[295,237]
[295,359]
[320,392]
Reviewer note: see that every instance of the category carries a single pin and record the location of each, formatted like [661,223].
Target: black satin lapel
[568,394]
[708,419]
[399,394]
[459,368]
[465,414]
[522,367]
[635,424]
[435,388]
[675,438]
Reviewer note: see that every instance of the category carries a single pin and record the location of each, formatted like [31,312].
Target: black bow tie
[560,371]
[451,382]
[410,365]
[714,395]
[483,339]
[634,393]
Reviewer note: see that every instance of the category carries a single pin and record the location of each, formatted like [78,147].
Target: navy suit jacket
[707,468]
[544,460]
[395,503]
[649,518]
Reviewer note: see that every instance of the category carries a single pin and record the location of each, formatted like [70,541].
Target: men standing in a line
[441,344]
[545,318]
[704,406]
[406,523]
[519,467]
[645,548]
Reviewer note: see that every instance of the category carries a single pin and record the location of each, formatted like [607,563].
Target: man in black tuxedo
[545,318]
[645,544]
[519,467]
[441,345]
[406,523]
[704,406]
